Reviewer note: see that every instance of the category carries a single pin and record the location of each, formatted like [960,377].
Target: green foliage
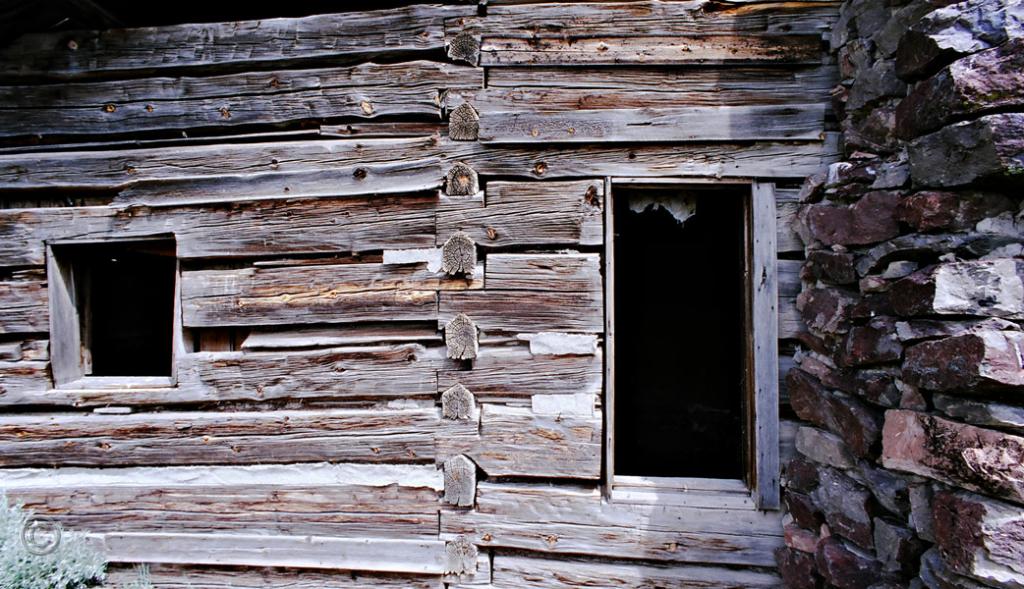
[73,564]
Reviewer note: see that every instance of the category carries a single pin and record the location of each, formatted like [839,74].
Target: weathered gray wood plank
[525,311]
[648,18]
[235,230]
[173,438]
[719,160]
[512,375]
[316,552]
[113,169]
[572,271]
[330,293]
[655,124]
[521,572]
[269,42]
[765,346]
[364,91]
[19,380]
[164,576]
[317,499]
[530,213]
[25,307]
[654,50]
[342,335]
[601,87]
[575,520]
[514,441]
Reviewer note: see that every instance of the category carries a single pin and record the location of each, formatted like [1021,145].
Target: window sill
[93,383]
[683,492]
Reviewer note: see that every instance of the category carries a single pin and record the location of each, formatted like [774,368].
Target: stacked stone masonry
[910,466]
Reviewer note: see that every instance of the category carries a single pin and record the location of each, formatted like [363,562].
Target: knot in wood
[461,180]
[460,338]
[459,481]
[460,556]
[464,47]
[458,255]
[464,123]
[457,403]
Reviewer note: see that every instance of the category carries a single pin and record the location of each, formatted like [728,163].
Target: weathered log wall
[312,182]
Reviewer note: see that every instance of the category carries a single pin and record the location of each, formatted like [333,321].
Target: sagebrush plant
[73,564]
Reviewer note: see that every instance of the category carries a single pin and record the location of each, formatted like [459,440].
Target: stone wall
[910,383]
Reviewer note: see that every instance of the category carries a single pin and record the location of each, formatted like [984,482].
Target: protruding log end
[457,403]
[460,338]
[464,123]
[458,255]
[460,556]
[461,180]
[459,481]
[464,47]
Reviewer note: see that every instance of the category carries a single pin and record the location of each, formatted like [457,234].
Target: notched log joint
[464,123]
[460,337]
[464,47]
[457,403]
[461,180]
[459,481]
[458,255]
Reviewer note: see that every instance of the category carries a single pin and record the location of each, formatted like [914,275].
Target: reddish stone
[801,475]
[982,460]
[805,513]
[799,538]
[980,538]
[797,569]
[845,569]
[984,360]
[825,310]
[932,210]
[859,427]
[986,288]
[847,506]
[830,266]
[875,343]
[870,306]
[871,219]
[823,447]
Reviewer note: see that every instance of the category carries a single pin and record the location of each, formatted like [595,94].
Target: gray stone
[823,447]
[847,507]
[897,547]
[981,538]
[982,413]
[988,147]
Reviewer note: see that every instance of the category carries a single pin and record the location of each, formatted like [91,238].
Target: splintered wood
[392,228]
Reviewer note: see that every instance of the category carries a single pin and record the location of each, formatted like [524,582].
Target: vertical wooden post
[764,344]
[609,338]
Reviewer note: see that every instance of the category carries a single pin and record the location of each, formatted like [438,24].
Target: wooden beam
[764,344]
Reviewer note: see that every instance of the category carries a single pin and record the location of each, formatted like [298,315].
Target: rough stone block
[931,210]
[843,568]
[799,538]
[805,513]
[991,147]
[981,538]
[936,575]
[829,266]
[897,547]
[954,31]
[847,506]
[982,460]
[859,426]
[890,490]
[986,288]
[982,82]
[870,220]
[825,310]
[875,343]
[797,569]
[980,361]
[823,447]
[982,413]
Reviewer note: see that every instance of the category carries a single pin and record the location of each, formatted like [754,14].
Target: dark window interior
[679,332]
[124,293]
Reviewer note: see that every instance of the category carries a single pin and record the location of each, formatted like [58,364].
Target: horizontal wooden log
[26,307]
[512,375]
[647,18]
[239,230]
[283,96]
[513,441]
[661,124]
[523,311]
[334,374]
[661,50]
[26,349]
[346,500]
[534,213]
[19,381]
[521,572]
[107,169]
[165,576]
[342,335]
[636,87]
[315,552]
[170,438]
[572,520]
[576,272]
[762,159]
[339,293]
[268,42]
